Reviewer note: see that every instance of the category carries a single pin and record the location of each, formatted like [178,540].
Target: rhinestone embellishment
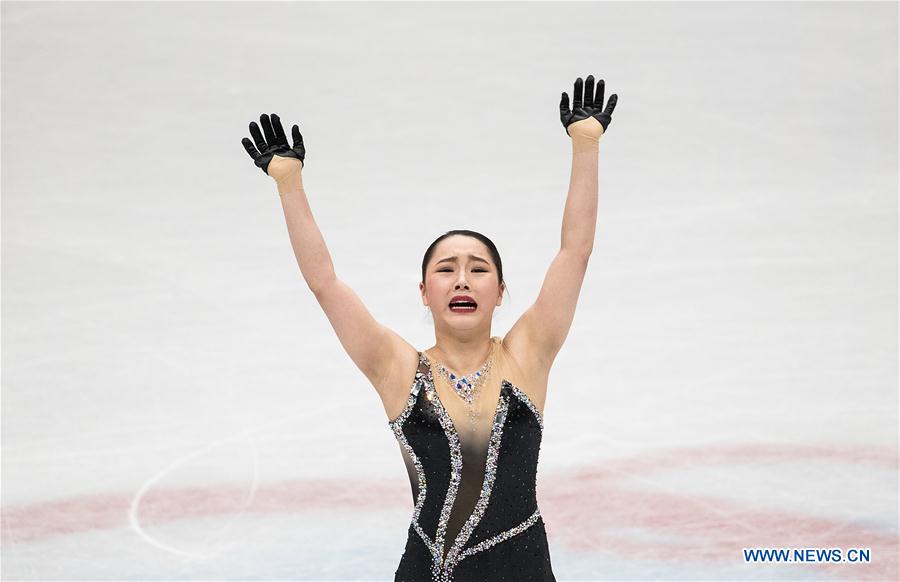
[489,474]
[501,537]
[466,387]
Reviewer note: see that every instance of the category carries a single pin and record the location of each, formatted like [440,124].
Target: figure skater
[467,412]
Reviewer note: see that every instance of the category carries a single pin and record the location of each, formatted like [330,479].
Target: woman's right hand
[274,156]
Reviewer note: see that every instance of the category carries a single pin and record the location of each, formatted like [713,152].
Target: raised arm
[544,326]
[369,344]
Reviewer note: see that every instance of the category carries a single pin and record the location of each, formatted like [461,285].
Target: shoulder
[525,353]
[528,371]
[395,385]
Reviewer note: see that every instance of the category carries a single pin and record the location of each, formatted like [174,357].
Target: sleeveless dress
[475,516]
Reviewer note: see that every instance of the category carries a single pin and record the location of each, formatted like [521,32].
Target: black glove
[274,143]
[589,106]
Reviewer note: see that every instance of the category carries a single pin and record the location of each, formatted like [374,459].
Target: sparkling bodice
[469,497]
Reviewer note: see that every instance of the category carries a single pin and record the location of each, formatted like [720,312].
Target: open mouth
[463,306]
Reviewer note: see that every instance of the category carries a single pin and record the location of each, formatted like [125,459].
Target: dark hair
[492,249]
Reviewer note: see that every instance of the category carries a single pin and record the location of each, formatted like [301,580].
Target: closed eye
[475,270]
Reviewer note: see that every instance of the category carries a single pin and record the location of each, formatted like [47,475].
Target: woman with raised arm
[467,412]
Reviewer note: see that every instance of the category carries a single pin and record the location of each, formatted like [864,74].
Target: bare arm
[580,216]
[543,328]
[370,345]
[306,238]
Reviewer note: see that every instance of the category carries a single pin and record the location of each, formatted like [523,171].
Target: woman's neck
[460,355]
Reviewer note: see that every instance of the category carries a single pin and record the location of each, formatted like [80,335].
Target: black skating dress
[476,516]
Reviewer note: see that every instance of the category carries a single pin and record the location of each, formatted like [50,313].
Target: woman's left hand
[587,121]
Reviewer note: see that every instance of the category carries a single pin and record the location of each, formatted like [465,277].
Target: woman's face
[461,265]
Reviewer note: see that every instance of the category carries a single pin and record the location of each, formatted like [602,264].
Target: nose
[461,283]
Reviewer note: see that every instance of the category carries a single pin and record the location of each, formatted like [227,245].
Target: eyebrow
[453,259]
